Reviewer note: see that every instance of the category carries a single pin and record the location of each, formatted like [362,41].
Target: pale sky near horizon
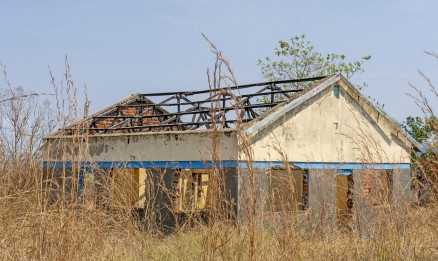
[133,46]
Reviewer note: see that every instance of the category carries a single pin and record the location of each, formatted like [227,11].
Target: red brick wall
[105,123]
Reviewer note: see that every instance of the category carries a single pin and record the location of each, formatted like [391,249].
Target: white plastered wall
[326,128]
[169,146]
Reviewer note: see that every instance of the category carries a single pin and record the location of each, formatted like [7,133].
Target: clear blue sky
[122,47]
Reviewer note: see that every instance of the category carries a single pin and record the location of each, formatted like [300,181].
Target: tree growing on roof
[297,58]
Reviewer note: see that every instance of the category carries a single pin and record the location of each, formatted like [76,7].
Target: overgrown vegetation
[41,218]
[424,129]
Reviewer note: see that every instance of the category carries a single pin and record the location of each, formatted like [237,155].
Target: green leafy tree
[418,128]
[297,58]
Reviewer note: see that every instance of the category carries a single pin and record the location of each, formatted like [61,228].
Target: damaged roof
[255,105]
[189,110]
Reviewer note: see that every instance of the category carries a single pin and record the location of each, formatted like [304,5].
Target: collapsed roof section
[189,110]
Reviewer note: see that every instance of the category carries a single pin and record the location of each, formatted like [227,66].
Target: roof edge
[54,137]
[393,121]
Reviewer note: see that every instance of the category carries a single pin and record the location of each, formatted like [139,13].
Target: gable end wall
[329,129]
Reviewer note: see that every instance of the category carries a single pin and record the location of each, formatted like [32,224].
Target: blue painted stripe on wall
[331,165]
[230,164]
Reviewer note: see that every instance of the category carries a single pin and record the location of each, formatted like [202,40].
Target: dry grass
[30,232]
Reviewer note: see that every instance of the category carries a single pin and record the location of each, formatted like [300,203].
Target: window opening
[288,189]
[377,187]
[191,190]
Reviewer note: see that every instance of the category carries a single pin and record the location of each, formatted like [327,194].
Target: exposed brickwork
[377,186]
[305,191]
[366,185]
[350,195]
[101,125]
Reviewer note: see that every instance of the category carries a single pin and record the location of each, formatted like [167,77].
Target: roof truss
[191,110]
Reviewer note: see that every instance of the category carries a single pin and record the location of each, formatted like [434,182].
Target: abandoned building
[323,134]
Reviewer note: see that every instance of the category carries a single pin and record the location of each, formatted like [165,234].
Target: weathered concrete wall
[368,211]
[253,194]
[160,198]
[332,128]
[232,190]
[322,198]
[61,182]
[362,211]
[169,146]
[402,186]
